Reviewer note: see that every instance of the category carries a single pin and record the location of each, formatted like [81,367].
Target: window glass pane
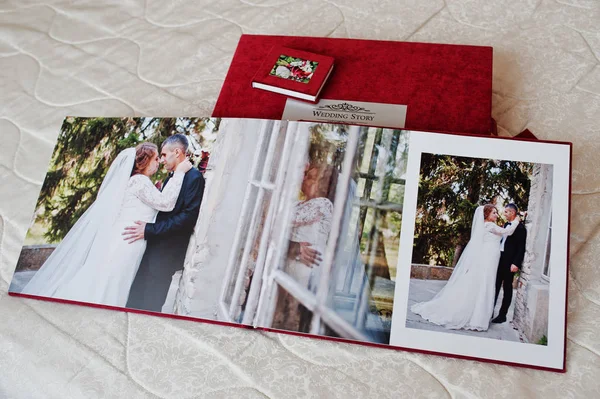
[252,247]
[311,217]
[290,314]
[360,188]
[363,272]
[262,152]
[401,155]
[245,225]
[277,155]
[366,147]
[367,255]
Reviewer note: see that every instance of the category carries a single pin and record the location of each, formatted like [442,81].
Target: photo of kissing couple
[124,248]
[133,215]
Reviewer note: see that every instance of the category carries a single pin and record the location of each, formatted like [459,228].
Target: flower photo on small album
[293,68]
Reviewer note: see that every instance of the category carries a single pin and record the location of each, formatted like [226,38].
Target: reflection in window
[367,254]
[317,242]
[364,268]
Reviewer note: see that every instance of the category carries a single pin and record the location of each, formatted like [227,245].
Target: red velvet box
[446,88]
[294,73]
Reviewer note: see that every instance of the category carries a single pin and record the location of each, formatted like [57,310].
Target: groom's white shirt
[504,239]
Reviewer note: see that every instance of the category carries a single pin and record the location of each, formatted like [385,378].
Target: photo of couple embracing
[487,264]
[481,248]
[125,247]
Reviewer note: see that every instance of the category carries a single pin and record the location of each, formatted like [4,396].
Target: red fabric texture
[447,88]
[526,134]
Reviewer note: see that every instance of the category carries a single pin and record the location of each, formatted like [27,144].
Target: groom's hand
[134,233]
[514,268]
[310,257]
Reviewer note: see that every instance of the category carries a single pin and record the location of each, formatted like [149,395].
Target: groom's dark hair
[177,140]
[513,207]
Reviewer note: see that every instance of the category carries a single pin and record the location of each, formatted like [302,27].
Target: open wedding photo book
[437,243]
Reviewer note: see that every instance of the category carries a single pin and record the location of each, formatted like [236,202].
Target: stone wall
[531,300]
[428,272]
[208,254]
[32,257]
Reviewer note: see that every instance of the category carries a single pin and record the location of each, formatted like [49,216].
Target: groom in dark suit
[511,260]
[168,237]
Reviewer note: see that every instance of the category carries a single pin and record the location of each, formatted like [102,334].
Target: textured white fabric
[315,214]
[142,196]
[151,58]
[467,300]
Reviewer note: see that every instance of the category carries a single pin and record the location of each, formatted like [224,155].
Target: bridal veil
[88,238]
[455,305]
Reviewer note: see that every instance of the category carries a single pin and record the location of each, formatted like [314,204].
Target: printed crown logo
[346,108]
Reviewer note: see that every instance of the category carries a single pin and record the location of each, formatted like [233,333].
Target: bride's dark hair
[143,155]
[487,209]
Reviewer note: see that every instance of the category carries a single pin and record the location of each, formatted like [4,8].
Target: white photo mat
[558,155]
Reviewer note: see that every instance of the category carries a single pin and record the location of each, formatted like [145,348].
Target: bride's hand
[184,166]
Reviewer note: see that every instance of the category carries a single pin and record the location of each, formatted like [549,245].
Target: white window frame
[269,130]
[380,203]
[269,275]
[316,303]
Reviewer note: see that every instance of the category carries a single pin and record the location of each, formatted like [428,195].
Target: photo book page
[454,245]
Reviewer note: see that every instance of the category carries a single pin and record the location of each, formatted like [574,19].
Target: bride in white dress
[467,300]
[93,263]
[311,225]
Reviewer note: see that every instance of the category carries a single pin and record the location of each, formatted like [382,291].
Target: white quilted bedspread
[169,58]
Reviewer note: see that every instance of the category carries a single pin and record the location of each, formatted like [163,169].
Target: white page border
[550,356]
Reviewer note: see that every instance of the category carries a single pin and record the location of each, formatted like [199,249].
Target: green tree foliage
[450,189]
[83,153]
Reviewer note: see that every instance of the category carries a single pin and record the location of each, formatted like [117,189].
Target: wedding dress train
[94,263]
[467,300]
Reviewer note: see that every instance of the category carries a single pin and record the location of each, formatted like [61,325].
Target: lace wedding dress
[312,224]
[467,300]
[94,263]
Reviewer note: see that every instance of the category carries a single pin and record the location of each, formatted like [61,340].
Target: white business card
[349,112]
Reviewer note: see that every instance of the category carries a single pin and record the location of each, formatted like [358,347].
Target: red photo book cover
[443,87]
[294,73]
